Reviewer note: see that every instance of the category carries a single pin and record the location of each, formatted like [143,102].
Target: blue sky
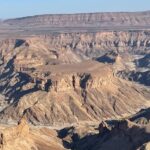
[19,8]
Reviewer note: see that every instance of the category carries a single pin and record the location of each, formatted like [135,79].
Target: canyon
[75,82]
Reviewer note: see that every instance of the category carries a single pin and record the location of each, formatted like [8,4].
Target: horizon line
[76,13]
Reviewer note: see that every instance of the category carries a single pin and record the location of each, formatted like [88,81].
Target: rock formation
[84,76]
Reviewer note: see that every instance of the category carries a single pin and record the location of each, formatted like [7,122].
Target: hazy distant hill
[86,19]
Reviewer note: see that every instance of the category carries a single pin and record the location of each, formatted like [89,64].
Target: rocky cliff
[82,45]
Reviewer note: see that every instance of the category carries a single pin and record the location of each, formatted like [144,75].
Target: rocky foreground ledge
[132,133]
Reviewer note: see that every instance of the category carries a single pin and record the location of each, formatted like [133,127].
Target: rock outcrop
[24,137]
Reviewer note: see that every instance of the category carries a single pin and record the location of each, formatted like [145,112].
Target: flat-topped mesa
[85,75]
[74,79]
[85,19]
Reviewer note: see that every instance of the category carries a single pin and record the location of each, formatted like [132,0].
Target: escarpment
[85,19]
[74,47]
[93,44]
